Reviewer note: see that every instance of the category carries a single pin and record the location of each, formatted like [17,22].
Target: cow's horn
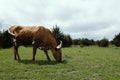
[60,45]
[11,33]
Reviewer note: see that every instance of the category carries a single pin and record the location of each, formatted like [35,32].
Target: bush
[103,42]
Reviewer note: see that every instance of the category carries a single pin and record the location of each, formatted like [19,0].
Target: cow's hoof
[49,60]
[15,58]
[33,60]
[19,60]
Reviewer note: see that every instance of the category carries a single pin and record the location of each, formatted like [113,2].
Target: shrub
[103,42]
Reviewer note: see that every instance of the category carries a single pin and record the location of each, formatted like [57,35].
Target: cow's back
[45,37]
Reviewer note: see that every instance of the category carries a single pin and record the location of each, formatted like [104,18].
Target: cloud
[80,18]
[94,30]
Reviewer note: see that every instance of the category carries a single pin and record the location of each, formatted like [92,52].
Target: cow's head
[57,53]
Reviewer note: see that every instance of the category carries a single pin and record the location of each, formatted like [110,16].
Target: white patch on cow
[33,42]
[40,48]
[14,40]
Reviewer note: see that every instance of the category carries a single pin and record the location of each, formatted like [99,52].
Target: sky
[93,19]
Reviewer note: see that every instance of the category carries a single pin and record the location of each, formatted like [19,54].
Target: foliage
[5,41]
[88,63]
[83,42]
[59,35]
[116,40]
[87,42]
[67,40]
[103,42]
[76,41]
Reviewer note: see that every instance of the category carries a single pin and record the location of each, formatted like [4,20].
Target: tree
[91,42]
[59,35]
[76,41]
[67,40]
[116,40]
[85,42]
[97,43]
[5,41]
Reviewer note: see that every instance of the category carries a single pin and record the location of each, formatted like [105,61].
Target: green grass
[88,63]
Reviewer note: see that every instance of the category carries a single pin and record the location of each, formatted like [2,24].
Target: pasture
[87,63]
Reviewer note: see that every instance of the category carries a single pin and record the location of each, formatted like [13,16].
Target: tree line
[101,43]
[5,41]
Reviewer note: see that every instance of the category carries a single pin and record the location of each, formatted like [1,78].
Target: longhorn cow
[38,37]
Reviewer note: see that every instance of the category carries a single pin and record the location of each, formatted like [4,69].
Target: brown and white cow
[38,37]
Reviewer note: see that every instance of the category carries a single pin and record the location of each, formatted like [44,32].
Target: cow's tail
[11,33]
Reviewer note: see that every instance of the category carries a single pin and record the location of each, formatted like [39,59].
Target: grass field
[88,63]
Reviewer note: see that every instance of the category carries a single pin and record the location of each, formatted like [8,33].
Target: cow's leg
[34,52]
[16,55]
[47,55]
[15,51]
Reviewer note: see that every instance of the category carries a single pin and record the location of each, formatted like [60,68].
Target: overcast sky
[94,19]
